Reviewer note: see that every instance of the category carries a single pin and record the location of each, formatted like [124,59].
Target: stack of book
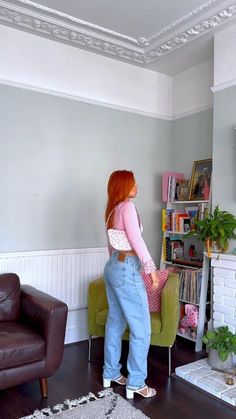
[169,183]
[173,247]
[174,221]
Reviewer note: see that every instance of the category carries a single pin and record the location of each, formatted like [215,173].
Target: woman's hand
[155,279]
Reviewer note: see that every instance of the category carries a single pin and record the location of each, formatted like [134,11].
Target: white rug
[107,405]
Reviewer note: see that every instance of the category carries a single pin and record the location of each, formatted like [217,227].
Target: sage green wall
[56,157]
[191,140]
[224,151]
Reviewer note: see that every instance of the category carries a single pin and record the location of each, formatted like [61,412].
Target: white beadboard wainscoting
[64,274]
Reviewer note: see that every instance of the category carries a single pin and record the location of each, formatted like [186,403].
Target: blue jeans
[127,299]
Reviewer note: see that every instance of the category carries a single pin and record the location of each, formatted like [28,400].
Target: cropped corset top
[126,220]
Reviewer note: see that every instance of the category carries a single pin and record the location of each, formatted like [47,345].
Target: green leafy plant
[217,227]
[222,340]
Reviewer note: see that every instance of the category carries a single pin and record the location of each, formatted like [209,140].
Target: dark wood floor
[76,377]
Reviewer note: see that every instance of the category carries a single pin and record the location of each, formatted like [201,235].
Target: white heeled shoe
[144,392]
[121,380]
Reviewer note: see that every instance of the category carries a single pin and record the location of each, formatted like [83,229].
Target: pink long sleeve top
[126,218]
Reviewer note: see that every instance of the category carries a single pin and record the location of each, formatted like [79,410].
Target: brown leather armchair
[32,331]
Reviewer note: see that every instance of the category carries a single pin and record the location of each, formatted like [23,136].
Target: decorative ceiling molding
[179,23]
[27,15]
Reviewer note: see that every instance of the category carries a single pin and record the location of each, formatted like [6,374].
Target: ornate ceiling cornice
[27,15]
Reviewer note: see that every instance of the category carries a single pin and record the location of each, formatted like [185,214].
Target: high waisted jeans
[127,299]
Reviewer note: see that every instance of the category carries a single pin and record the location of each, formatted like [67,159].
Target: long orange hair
[119,186]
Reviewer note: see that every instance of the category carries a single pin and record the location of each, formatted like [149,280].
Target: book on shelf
[171,188]
[169,219]
[163,219]
[166,183]
[166,255]
[182,223]
[190,285]
[173,221]
[166,219]
[173,247]
[168,249]
[176,220]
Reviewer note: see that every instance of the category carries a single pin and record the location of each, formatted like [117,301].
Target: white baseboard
[77,326]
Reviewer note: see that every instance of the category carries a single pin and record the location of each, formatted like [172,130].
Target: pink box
[165,181]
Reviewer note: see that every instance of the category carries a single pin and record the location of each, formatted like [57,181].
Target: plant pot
[213,246]
[215,362]
[216,247]
[182,192]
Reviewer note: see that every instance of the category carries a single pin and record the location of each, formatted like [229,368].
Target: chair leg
[90,344]
[169,356]
[44,386]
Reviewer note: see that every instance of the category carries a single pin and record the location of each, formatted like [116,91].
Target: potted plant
[222,344]
[216,230]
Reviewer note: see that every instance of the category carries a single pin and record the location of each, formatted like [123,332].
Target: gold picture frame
[200,180]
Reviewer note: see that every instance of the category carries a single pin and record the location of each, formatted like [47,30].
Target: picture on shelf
[177,248]
[200,180]
[193,215]
[186,225]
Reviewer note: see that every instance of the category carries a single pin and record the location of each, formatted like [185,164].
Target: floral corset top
[126,219]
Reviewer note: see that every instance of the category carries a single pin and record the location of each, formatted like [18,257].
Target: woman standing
[125,289]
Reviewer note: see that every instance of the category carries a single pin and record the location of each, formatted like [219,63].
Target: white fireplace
[224,290]
[200,373]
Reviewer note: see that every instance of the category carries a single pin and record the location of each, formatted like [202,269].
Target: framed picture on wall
[200,180]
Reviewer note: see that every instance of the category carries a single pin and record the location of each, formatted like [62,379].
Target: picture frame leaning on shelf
[200,180]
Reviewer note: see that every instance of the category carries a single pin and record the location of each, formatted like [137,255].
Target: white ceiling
[168,36]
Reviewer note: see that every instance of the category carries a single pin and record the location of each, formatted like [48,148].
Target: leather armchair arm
[47,316]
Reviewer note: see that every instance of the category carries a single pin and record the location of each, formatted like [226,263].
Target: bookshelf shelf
[190,302]
[178,219]
[180,266]
[189,202]
[178,232]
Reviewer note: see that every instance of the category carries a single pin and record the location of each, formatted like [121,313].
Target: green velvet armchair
[163,324]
